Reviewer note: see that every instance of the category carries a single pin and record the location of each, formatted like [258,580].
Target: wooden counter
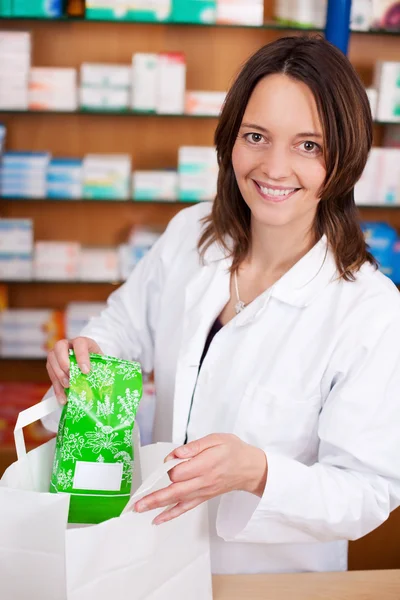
[355,585]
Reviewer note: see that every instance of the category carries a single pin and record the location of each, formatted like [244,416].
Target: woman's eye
[310,147]
[254,138]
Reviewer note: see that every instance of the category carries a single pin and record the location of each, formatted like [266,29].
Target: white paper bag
[122,558]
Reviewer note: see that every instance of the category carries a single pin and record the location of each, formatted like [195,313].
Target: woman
[274,339]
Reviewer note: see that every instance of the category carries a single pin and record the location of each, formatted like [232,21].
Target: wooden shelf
[105,111]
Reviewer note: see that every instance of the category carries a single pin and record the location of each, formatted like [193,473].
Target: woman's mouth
[275,194]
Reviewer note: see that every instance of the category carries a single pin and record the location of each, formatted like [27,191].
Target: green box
[6,8]
[194,11]
[93,459]
[37,8]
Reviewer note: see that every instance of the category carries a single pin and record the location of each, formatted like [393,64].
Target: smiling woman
[292,141]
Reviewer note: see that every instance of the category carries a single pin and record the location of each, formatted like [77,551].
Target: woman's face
[278,155]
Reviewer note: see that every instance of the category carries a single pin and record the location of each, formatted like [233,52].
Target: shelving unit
[213,57]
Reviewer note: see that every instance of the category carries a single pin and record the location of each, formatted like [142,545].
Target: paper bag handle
[29,416]
[149,484]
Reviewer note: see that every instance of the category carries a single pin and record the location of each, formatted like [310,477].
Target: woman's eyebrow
[310,134]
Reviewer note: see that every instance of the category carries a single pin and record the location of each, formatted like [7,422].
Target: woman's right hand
[58,362]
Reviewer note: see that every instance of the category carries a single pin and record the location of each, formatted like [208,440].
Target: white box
[241,12]
[106,75]
[78,315]
[15,350]
[98,264]
[15,41]
[372,94]
[56,261]
[366,191]
[204,103]
[388,191]
[171,84]
[145,67]
[16,267]
[387,82]
[361,15]
[198,173]
[103,98]
[23,318]
[16,236]
[155,186]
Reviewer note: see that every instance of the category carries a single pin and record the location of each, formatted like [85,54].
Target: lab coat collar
[308,277]
[300,285]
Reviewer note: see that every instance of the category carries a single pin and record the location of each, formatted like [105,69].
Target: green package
[93,459]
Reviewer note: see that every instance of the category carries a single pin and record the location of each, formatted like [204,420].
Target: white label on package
[105,477]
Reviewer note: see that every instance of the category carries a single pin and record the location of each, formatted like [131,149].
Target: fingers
[195,467]
[60,363]
[188,490]
[81,349]
[58,388]
[197,446]
[175,511]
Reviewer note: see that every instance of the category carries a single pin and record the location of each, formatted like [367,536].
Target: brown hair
[345,115]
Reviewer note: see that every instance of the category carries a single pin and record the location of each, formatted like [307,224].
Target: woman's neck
[275,250]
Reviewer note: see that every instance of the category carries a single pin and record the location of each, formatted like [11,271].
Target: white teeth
[271,192]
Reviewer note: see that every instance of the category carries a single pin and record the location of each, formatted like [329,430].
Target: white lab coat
[309,372]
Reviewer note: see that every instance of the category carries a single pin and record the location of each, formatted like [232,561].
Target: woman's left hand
[219,463]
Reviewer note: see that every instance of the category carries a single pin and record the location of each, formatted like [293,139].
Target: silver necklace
[239,306]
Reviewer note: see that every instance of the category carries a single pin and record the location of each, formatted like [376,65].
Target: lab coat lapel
[206,295]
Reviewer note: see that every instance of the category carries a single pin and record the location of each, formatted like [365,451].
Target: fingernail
[65,382]
[85,368]
[61,399]
[158,521]
[142,507]
[184,450]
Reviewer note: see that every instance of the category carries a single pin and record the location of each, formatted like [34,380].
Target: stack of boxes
[53,89]
[56,261]
[15,63]
[16,249]
[106,176]
[64,179]
[29,333]
[198,173]
[105,87]
[23,174]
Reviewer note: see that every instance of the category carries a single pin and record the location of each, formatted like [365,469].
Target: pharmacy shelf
[130,202]
[271,25]
[106,111]
[183,203]
[128,113]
